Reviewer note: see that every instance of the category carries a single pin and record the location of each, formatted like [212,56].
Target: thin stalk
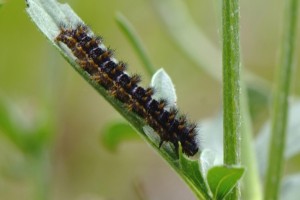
[231,85]
[251,183]
[135,41]
[280,103]
[40,173]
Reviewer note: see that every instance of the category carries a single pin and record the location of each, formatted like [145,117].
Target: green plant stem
[39,164]
[196,46]
[280,102]
[251,183]
[231,86]
[135,40]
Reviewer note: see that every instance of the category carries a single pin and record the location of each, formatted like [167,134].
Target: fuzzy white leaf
[48,15]
[164,88]
[207,160]
[211,136]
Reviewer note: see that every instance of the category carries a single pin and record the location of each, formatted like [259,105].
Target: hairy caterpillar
[99,63]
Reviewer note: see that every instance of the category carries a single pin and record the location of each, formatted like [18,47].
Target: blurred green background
[44,95]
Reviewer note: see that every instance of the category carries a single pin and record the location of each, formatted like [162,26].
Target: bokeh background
[43,95]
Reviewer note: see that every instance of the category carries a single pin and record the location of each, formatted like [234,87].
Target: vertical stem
[39,162]
[280,103]
[251,184]
[231,85]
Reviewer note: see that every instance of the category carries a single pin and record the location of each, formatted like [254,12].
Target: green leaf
[116,133]
[222,180]
[212,135]
[191,170]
